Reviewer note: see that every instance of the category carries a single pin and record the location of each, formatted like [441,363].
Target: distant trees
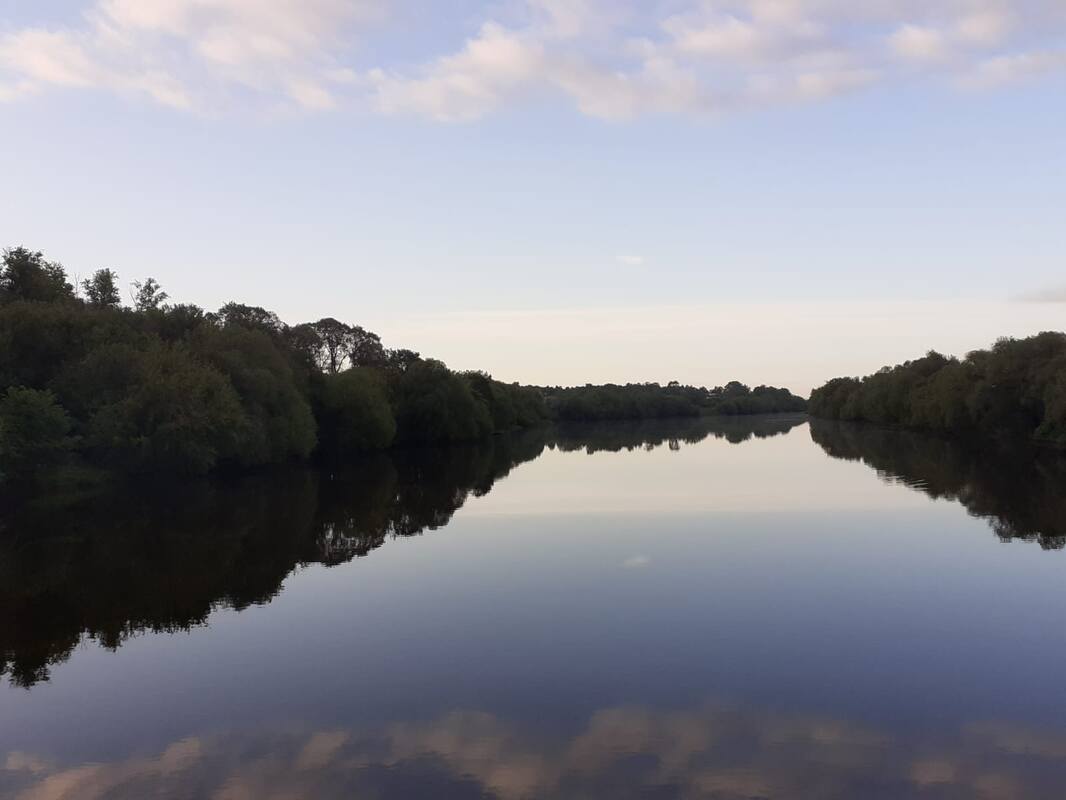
[651,401]
[168,387]
[1018,386]
[158,386]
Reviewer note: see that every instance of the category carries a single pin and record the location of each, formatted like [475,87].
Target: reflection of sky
[783,473]
[830,596]
[629,751]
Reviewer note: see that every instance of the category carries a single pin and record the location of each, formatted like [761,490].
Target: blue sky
[560,191]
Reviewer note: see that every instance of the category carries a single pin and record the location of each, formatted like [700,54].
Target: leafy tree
[175,415]
[102,289]
[34,432]
[365,349]
[335,341]
[253,317]
[148,295]
[26,275]
[400,360]
[354,413]
[1014,387]
[279,423]
[433,404]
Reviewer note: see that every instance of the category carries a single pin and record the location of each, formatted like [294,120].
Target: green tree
[280,425]
[354,413]
[175,415]
[148,295]
[34,432]
[101,289]
[26,275]
[433,404]
[334,343]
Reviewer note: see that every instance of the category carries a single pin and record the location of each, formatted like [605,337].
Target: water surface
[763,608]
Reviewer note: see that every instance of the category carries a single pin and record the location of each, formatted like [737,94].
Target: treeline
[88,382]
[155,386]
[636,401]
[1018,387]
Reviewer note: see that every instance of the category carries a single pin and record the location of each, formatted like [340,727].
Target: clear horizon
[774,191]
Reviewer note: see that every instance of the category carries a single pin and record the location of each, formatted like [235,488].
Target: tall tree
[335,343]
[148,295]
[26,275]
[366,349]
[102,289]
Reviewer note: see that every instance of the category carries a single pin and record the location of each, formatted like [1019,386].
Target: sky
[560,191]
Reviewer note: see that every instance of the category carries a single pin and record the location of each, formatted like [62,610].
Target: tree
[354,414]
[280,425]
[433,404]
[366,349]
[26,275]
[176,415]
[335,341]
[101,289]
[253,317]
[401,360]
[147,295]
[34,432]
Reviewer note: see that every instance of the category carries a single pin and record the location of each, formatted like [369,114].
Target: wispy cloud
[1050,294]
[636,562]
[613,59]
[631,260]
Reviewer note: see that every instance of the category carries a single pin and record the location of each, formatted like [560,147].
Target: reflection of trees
[161,559]
[1020,488]
[726,753]
[595,437]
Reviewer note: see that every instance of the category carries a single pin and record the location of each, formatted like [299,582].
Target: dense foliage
[1017,386]
[651,401]
[87,382]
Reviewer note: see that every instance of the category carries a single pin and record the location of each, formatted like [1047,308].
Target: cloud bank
[611,59]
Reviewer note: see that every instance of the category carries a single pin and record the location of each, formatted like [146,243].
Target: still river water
[764,608]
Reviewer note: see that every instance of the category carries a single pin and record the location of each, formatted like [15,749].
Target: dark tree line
[1017,387]
[87,382]
[636,401]
[90,385]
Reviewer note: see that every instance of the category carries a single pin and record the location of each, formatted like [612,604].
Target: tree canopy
[1018,386]
[158,386]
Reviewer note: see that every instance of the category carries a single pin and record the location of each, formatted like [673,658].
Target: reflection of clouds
[712,752]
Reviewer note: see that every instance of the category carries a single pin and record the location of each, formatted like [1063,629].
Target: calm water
[708,609]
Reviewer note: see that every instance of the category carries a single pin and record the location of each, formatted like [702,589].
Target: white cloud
[614,59]
[631,260]
[919,43]
[1005,70]
[490,68]
[177,51]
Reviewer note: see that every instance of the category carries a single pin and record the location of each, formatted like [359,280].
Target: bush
[433,404]
[34,433]
[353,413]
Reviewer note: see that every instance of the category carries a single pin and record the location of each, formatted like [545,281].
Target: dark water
[708,609]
